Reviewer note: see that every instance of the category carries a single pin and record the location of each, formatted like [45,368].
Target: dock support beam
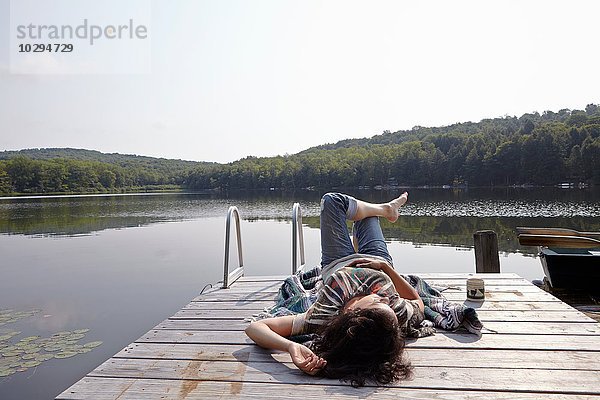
[486,252]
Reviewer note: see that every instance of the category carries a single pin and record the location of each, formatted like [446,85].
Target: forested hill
[505,126]
[123,160]
[538,149]
[78,170]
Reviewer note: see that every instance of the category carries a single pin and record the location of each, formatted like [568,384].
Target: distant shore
[163,189]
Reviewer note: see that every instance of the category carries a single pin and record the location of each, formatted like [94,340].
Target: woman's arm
[270,333]
[404,289]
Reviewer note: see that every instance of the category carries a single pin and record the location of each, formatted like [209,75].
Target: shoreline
[184,190]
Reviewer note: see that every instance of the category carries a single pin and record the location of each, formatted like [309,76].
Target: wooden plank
[242,298]
[464,275]
[262,285]
[432,281]
[441,275]
[557,231]
[258,306]
[243,290]
[435,281]
[488,282]
[565,242]
[439,340]
[456,378]
[513,327]
[514,295]
[93,388]
[484,315]
[275,285]
[538,359]
[509,295]
[261,278]
[202,325]
[202,349]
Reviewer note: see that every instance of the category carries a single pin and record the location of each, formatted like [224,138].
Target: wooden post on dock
[486,252]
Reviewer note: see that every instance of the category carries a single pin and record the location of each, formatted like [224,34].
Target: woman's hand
[368,263]
[305,359]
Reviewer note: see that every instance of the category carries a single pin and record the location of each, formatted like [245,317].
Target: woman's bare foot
[392,209]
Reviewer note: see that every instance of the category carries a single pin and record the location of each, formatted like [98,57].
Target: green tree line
[537,149]
[22,174]
[534,149]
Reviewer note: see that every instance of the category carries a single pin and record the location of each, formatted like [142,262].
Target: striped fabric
[349,282]
[313,303]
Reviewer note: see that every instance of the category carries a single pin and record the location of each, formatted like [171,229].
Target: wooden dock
[543,348]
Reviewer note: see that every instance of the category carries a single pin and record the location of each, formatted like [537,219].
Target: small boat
[570,258]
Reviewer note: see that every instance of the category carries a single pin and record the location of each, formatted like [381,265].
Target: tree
[5,183]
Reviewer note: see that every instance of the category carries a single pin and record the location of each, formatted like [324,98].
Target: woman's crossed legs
[336,208]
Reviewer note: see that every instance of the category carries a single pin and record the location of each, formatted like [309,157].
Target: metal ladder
[297,245]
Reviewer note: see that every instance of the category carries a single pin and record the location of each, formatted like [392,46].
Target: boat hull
[572,268]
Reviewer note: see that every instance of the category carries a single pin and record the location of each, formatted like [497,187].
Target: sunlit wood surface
[543,349]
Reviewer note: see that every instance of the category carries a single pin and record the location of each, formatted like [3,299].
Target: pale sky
[228,79]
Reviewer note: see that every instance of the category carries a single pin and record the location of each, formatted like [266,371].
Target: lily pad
[65,354]
[30,364]
[27,346]
[11,353]
[53,348]
[8,335]
[30,339]
[32,350]
[91,345]
[7,372]
[9,316]
[44,357]
[7,360]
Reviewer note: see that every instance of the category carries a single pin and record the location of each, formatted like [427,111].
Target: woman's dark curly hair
[361,345]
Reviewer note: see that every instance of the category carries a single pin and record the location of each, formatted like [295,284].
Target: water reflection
[84,215]
[432,216]
[112,264]
[458,231]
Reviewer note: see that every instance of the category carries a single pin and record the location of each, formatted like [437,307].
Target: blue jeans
[336,208]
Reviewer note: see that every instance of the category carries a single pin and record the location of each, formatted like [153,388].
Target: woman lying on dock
[364,309]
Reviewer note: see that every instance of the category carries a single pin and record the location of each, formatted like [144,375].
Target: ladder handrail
[229,278]
[297,237]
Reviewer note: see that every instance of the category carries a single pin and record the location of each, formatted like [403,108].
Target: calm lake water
[119,265]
